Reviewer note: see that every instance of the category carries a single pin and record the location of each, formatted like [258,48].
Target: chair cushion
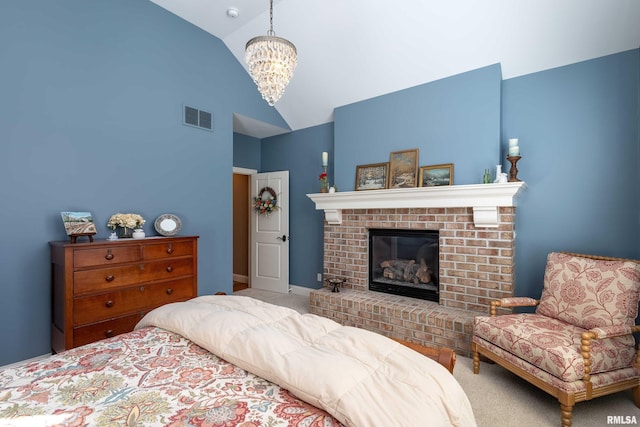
[553,345]
[590,293]
[598,380]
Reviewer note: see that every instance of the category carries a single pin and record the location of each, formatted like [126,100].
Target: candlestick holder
[513,172]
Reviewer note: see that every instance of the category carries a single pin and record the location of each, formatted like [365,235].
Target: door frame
[248,172]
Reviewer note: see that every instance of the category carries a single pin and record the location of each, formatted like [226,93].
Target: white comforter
[359,377]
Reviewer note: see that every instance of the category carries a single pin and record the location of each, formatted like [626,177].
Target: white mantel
[483,198]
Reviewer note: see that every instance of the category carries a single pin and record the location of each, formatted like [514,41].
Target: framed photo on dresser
[78,223]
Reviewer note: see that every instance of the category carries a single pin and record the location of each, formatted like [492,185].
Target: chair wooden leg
[476,360]
[636,395]
[566,412]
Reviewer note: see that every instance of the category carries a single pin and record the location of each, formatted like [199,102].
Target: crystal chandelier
[271,61]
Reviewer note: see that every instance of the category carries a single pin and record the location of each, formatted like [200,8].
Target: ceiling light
[271,61]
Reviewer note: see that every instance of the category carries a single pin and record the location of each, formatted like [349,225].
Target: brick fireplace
[477,252]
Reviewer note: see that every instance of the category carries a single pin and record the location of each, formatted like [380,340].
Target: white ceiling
[351,50]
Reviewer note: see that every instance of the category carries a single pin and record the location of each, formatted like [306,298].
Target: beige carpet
[499,398]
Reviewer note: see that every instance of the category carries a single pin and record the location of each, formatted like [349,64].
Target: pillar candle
[325,158]
[514,149]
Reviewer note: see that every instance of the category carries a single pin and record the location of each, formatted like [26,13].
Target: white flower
[128,220]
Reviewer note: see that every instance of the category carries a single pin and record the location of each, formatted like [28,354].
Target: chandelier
[271,61]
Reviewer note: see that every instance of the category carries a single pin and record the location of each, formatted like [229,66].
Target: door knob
[283,238]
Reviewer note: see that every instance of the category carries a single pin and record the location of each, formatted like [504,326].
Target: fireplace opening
[404,262]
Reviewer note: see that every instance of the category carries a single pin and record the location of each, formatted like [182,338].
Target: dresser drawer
[110,328]
[103,279]
[168,249]
[112,304]
[106,256]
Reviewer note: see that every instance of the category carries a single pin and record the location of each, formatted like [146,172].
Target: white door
[270,233]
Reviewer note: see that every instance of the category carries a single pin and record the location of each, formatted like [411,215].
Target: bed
[234,361]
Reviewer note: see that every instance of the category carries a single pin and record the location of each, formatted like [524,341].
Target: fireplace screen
[404,262]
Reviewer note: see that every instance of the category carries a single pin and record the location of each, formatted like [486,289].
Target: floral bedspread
[149,377]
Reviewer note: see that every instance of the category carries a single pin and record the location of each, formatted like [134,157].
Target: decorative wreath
[266,203]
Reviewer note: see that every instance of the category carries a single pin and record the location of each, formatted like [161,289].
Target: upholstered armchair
[579,343]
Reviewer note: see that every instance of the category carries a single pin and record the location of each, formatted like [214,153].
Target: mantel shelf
[483,198]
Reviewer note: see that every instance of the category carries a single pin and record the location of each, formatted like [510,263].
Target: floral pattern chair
[579,343]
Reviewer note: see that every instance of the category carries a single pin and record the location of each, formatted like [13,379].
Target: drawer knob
[169,291]
[169,269]
[108,333]
[109,255]
[109,304]
[141,266]
[141,289]
[169,248]
[110,278]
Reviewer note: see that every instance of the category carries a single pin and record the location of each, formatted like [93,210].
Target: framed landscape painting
[78,223]
[372,176]
[403,169]
[436,175]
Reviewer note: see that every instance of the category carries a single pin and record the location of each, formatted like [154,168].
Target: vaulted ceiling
[351,50]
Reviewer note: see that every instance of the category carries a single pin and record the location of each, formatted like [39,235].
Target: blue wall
[246,151]
[578,132]
[300,153]
[453,120]
[90,119]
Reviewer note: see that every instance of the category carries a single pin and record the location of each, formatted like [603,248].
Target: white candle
[514,149]
[325,158]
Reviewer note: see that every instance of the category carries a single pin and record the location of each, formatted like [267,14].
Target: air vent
[198,118]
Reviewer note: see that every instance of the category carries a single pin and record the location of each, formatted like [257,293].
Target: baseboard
[240,278]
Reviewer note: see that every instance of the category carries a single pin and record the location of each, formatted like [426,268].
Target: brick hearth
[476,265]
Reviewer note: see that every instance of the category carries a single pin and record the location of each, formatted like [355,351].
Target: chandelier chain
[271,32]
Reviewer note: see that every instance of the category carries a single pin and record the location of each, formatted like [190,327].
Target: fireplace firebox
[404,262]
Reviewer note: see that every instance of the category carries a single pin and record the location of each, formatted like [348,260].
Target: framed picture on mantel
[403,169]
[372,176]
[433,176]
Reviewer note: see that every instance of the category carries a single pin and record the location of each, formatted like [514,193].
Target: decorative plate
[167,225]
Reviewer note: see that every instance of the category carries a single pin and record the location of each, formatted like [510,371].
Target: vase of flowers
[125,223]
[324,185]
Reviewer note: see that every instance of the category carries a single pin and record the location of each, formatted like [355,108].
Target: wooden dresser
[102,289]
